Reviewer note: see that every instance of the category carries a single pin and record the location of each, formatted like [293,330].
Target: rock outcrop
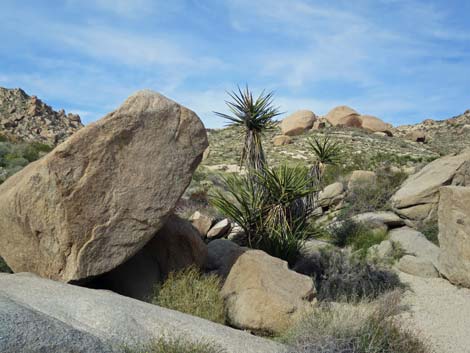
[344,116]
[374,124]
[281,140]
[28,119]
[40,315]
[298,122]
[418,197]
[262,295]
[99,197]
[454,234]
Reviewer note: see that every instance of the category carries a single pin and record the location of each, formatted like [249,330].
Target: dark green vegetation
[4,267]
[172,345]
[269,206]
[191,292]
[363,328]
[15,156]
[341,276]
[430,229]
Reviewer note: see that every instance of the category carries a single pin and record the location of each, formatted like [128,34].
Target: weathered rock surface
[176,246]
[375,124]
[281,140]
[40,315]
[222,254]
[201,222]
[344,116]
[219,229]
[28,119]
[298,122]
[454,234]
[330,194]
[417,267]
[99,197]
[416,136]
[414,243]
[418,197]
[261,294]
[387,218]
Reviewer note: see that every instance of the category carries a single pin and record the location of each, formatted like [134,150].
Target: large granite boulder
[99,197]
[176,246]
[454,234]
[374,124]
[344,116]
[262,295]
[298,122]
[39,315]
[418,197]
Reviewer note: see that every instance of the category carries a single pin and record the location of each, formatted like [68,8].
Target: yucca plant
[254,117]
[269,206]
[325,152]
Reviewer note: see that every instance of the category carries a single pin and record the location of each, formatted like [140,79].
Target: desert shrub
[342,276]
[358,236]
[367,197]
[177,345]
[189,291]
[4,267]
[368,327]
[430,230]
[269,206]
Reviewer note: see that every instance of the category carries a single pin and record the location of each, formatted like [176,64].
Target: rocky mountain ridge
[26,118]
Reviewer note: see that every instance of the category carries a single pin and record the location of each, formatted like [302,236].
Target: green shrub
[341,276]
[430,230]
[363,328]
[367,197]
[364,240]
[191,292]
[172,345]
[4,267]
[270,207]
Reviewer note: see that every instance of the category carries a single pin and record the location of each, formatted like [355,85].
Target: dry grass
[367,327]
[192,292]
[177,345]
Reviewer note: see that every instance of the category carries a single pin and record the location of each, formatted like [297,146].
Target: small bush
[363,328]
[357,235]
[191,292]
[430,230]
[4,267]
[367,197]
[341,276]
[172,345]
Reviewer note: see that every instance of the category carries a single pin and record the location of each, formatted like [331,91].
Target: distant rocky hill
[403,146]
[443,136]
[26,118]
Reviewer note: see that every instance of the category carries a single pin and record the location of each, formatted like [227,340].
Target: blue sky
[401,60]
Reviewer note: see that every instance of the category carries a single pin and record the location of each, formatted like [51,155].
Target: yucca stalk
[254,117]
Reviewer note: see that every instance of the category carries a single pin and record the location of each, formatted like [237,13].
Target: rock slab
[100,196]
[78,319]
[454,234]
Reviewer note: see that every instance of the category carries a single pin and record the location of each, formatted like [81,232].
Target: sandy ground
[440,312]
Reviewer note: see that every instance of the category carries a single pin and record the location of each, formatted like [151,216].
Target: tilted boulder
[40,315]
[261,294]
[418,197]
[454,234]
[298,122]
[344,116]
[281,140]
[99,197]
